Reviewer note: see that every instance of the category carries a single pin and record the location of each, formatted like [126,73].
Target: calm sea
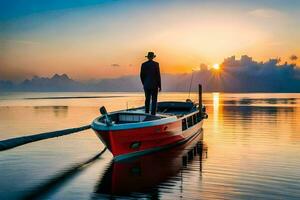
[251,150]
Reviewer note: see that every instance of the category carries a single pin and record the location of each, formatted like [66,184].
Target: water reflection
[216,108]
[253,141]
[54,183]
[261,101]
[216,102]
[144,176]
[59,111]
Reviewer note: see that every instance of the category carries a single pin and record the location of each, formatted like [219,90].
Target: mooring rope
[15,142]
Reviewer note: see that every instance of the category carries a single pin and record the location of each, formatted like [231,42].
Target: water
[251,150]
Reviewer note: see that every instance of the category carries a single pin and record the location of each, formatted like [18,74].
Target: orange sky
[111,39]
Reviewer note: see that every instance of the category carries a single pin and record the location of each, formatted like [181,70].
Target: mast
[200,98]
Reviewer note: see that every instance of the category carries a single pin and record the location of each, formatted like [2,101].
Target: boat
[132,132]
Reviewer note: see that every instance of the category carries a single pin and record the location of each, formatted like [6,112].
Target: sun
[216,66]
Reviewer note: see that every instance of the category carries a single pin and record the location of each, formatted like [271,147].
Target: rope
[15,142]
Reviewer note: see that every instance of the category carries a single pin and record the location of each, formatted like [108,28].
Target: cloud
[265,13]
[240,75]
[293,57]
[245,74]
[115,65]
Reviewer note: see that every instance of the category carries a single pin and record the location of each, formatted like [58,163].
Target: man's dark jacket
[150,75]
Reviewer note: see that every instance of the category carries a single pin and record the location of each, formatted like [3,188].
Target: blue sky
[11,9]
[85,38]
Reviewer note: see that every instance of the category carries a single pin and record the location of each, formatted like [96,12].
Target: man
[150,77]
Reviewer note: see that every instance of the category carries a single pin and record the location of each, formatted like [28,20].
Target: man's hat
[150,55]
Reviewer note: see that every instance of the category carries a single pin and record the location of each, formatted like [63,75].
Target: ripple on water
[251,151]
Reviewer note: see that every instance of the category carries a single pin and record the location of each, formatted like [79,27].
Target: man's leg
[147,100]
[154,101]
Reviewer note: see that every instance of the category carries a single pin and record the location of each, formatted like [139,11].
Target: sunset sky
[109,38]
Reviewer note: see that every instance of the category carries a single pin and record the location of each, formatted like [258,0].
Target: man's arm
[158,77]
[142,74]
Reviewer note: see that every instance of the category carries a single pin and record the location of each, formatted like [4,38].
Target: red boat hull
[137,141]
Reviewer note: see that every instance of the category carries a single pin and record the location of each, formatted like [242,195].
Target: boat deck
[170,108]
[136,117]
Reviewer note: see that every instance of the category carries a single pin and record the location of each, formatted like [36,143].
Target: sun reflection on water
[216,101]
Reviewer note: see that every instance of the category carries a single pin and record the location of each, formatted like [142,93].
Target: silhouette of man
[150,77]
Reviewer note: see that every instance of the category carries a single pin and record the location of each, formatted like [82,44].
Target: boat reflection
[141,176]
